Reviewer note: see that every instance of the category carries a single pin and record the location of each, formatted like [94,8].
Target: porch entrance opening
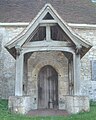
[48,88]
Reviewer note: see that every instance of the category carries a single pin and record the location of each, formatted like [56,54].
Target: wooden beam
[48,22]
[77,67]
[44,43]
[48,33]
[48,48]
[19,75]
[51,24]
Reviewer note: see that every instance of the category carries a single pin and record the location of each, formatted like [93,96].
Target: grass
[6,115]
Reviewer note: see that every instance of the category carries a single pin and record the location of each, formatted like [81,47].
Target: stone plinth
[21,104]
[72,104]
[76,104]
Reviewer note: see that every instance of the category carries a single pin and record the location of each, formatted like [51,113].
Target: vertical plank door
[48,88]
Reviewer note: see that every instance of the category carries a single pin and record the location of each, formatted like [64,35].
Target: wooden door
[48,88]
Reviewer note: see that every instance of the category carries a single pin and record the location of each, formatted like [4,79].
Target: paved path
[47,112]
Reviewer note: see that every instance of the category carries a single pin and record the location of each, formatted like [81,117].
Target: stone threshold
[47,112]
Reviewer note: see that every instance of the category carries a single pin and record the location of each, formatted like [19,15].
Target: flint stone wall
[7,62]
[88,87]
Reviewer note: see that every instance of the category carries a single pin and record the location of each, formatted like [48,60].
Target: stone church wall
[7,62]
[88,86]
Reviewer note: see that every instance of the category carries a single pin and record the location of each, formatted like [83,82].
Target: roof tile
[73,11]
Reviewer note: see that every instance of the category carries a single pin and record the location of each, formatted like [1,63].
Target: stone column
[77,67]
[19,74]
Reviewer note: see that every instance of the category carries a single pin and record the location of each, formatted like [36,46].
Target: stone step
[47,112]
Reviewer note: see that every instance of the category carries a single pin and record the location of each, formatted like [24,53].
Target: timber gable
[42,20]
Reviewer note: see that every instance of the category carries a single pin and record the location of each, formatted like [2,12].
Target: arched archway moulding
[61,79]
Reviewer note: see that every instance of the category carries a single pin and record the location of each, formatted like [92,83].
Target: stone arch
[59,69]
[55,65]
[59,62]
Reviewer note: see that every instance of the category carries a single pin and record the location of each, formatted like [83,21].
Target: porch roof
[21,39]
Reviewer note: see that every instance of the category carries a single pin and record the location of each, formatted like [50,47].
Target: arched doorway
[48,88]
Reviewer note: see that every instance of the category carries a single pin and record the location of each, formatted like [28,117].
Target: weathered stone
[73,104]
[21,104]
[37,62]
[76,104]
[7,66]
[7,62]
